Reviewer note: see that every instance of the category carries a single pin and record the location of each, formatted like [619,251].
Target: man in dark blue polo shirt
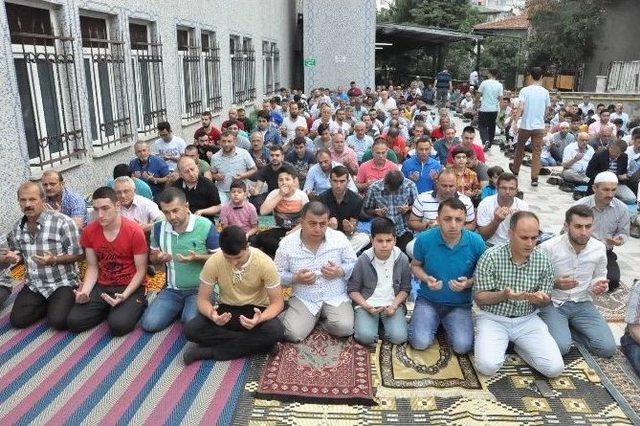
[150,168]
[444,261]
[443,85]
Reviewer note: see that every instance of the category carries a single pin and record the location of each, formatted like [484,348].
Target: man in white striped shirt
[317,262]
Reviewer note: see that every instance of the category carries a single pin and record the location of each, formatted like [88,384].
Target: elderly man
[601,140]
[421,168]
[359,141]
[135,207]
[598,125]
[317,262]
[169,147]
[615,160]
[513,280]
[317,180]
[345,208]
[560,140]
[580,265]
[243,321]
[202,194]
[393,197]
[376,168]
[325,118]
[340,153]
[611,221]
[148,167]
[183,242]
[62,199]
[444,145]
[575,158]
[231,162]
[495,211]
[444,259]
[259,152]
[113,286]
[47,242]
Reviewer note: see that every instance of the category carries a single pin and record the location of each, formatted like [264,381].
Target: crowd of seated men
[367,191]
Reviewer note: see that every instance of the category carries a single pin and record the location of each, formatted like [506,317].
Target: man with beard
[318,177]
[291,122]
[231,162]
[267,175]
[62,199]
[208,127]
[206,146]
[580,265]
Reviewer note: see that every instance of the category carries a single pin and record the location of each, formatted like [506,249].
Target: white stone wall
[272,20]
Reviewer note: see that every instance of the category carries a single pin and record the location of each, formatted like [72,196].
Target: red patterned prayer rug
[322,368]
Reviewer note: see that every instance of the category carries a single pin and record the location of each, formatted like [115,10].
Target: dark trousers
[122,318]
[30,307]
[5,292]
[631,349]
[613,270]
[269,240]
[487,126]
[403,240]
[232,340]
[556,153]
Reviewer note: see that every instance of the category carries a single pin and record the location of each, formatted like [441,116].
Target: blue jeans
[366,326]
[456,321]
[167,306]
[582,322]
[631,349]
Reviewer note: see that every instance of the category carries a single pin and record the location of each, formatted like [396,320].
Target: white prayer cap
[608,177]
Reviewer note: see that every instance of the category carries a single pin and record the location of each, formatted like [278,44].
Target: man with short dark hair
[113,286]
[580,265]
[244,320]
[444,260]
[393,198]
[231,162]
[267,175]
[317,180]
[269,131]
[169,147]
[317,262]
[208,127]
[47,242]
[376,168]
[534,101]
[615,160]
[62,199]
[443,83]
[142,188]
[512,280]
[421,168]
[301,157]
[183,242]
[490,91]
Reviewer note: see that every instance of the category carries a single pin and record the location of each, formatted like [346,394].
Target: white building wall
[272,20]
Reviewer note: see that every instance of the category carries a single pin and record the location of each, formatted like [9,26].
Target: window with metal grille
[276,66]
[47,85]
[237,70]
[189,58]
[106,79]
[212,81]
[267,68]
[148,78]
[249,70]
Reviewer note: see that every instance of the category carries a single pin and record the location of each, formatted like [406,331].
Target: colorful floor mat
[60,378]
[612,306]
[578,397]
[321,368]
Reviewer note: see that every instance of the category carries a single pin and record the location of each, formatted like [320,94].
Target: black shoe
[534,182]
[520,195]
[544,171]
[554,180]
[567,187]
[577,195]
[511,168]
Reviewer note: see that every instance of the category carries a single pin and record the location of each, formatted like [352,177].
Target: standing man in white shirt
[580,266]
[534,101]
[495,211]
[490,91]
[317,262]
[169,147]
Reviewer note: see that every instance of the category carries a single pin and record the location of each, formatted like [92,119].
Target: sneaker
[553,180]
[511,168]
[544,171]
[534,182]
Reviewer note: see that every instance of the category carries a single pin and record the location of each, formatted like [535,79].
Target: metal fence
[624,77]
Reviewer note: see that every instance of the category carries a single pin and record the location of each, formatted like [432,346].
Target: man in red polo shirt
[376,168]
[116,252]
[208,127]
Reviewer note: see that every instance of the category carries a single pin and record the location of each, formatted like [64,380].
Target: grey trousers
[298,322]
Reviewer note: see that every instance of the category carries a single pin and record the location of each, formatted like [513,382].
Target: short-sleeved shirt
[536,101]
[142,188]
[155,166]
[116,265]
[245,216]
[173,148]
[359,145]
[446,264]
[368,170]
[426,206]
[303,164]
[72,204]
[288,211]
[443,79]
[487,208]
[230,165]
[496,271]
[142,210]
[249,285]
[203,195]
[491,91]
[349,208]
[424,169]
[200,236]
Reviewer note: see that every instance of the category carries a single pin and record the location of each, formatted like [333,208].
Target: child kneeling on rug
[379,285]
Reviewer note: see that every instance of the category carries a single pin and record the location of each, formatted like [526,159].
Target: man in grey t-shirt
[490,91]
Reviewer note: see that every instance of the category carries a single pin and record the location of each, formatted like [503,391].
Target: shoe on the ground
[577,195]
[554,180]
[544,171]
[512,169]
[534,182]
[520,195]
[567,187]
[526,162]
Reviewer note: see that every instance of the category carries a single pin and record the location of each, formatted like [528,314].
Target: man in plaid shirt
[48,244]
[393,197]
[511,281]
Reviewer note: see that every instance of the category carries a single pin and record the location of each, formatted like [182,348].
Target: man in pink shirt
[594,128]
[376,168]
[340,153]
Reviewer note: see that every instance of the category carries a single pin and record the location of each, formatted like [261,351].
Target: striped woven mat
[49,377]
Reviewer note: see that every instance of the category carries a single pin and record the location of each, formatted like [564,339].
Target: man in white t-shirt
[292,121]
[534,101]
[385,103]
[495,211]
[490,91]
[169,147]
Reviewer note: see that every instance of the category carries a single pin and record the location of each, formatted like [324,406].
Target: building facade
[83,80]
